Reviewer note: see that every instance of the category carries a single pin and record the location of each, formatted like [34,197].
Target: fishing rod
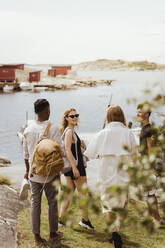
[109,104]
[26,120]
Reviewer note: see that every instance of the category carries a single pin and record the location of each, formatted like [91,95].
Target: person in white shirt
[107,146]
[32,135]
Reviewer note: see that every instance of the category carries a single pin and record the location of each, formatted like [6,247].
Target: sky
[74,31]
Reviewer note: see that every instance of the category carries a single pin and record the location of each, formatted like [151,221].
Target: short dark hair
[141,107]
[40,105]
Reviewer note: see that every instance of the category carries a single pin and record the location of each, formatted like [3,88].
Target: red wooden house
[52,72]
[13,66]
[7,75]
[34,76]
[61,70]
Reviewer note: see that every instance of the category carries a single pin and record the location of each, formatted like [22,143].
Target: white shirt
[110,141]
[107,145]
[32,135]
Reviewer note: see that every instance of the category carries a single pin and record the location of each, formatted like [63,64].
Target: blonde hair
[115,113]
[64,122]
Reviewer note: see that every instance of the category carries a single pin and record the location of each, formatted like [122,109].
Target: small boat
[8,88]
[26,86]
[40,88]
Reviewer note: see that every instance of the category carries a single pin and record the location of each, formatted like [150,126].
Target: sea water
[90,103]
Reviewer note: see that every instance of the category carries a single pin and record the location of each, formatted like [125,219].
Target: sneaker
[86,224]
[60,222]
[56,236]
[25,186]
[116,240]
[40,242]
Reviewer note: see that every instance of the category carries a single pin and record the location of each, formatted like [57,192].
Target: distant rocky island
[106,64]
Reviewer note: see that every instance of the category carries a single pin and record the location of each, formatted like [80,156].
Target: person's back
[108,146]
[111,141]
[33,134]
[38,184]
[115,136]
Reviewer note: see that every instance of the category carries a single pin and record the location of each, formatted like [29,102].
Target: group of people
[107,146]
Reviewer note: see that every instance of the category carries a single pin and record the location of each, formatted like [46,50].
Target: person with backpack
[34,147]
[76,176]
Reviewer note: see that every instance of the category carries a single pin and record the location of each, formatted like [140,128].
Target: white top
[107,145]
[32,135]
[110,141]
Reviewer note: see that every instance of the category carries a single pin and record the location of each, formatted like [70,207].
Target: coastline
[16,173]
[72,80]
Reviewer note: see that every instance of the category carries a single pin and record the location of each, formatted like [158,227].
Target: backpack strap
[45,134]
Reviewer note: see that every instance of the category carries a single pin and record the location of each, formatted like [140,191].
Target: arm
[150,143]
[26,157]
[27,169]
[68,143]
[57,136]
[83,145]
[91,151]
[133,144]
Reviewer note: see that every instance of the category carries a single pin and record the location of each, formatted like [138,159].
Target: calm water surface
[91,104]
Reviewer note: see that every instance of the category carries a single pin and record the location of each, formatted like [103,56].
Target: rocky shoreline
[10,205]
[72,80]
[119,64]
[4,162]
[64,84]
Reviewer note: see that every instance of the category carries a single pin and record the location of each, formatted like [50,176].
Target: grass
[4,180]
[78,237]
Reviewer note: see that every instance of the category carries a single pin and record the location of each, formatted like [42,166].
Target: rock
[9,207]
[3,165]
[4,160]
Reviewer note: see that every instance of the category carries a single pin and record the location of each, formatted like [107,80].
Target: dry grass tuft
[4,180]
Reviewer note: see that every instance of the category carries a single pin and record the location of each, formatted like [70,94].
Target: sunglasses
[72,116]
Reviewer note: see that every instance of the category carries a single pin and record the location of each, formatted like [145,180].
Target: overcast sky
[72,31]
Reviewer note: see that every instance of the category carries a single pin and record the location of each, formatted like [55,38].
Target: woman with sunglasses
[76,177]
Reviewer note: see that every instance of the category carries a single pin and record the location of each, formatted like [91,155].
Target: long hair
[115,113]
[64,122]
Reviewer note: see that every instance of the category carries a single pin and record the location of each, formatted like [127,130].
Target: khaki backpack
[47,156]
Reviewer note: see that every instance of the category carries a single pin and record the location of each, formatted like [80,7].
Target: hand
[76,173]
[83,145]
[26,175]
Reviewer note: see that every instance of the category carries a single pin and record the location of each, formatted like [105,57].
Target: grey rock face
[4,161]
[9,207]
